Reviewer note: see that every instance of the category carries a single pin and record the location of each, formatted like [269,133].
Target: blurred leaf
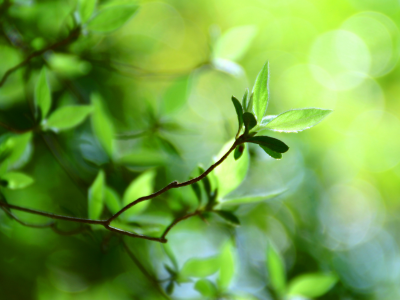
[227,269]
[96,196]
[271,153]
[196,189]
[170,288]
[249,121]
[231,172]
[312,285]
[111,18]
[239,111]
[206,182]
[297,119]
[205,287]
[245,100]
[101,125]
[145,158]
[68,65]
[42,94]
[234,43]
[139,187]
[261,93]
[112,200]
[16,149]
[269,142]
[67,117]
[228,216]
[17,180]
[175,96]
[86,8]
[248,199]
[167,146]
[276,270]
[238,151]
[200,267]
[168,251]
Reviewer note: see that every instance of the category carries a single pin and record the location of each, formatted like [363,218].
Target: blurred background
[165,79]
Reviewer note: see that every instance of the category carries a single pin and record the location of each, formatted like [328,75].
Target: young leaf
[276,270]
[200,267]
[112,200]
[297,119]
[111,18]
[96,196]
[68,117]
[86,8]
[312,285]
[269,142]
[271,153]
[231,173]
[227,268]
[239,112]
[238,151]
[235,42]
[249,121]
[42,94]
[205,287]
[17,180]
[261,93]
[247,200]
[228,216]
[245,99]
[139,187]
[101,125]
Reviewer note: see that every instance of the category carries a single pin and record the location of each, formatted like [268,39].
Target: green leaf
[245,100]
[271,153]
[239,112]
[170,288]
[17,180]
[227,269]
[231,172]
[16,150]
[68,117]
[276,270]
[111,18]
[139,187]
[200,267]
[176,95]
[101,125]
[260,93]
[205,287]
[42,94]
[86,8]
[238,151]
[112,200]
[234,43]
[96,196]
[269,142]
[312,285]
[249,121]
[228,216]
[196,189]
[248,199]
[206,182]
[297,119]
[168,251]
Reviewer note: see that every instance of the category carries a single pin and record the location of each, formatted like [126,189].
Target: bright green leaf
[239,111]
[111,18]
[276,270]
[269,142]
[228,216]
[247,200]
[245,100]
[86,8]
[68,117]
[101,125]
[112,200]
[139,187]
[176,95]
[312,285]
[249,121]
[17,180]
[205,287]
[297,119]
[231,172]
[261,93]
[17,150]
[96,196]
[271,153]
[200,267]
[42,94]
[234,43]
[238,151]
[227,269]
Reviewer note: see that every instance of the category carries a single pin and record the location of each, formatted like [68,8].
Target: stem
[176,221]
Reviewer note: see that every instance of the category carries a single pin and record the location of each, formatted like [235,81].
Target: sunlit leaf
[228,216]
[96,196]
[297,119]
[247,199]
[239,111]
[245,100]
[261,93]
[139,187]
[86,8]
[205,287]
[175,96]
[231,172]
[227,269]
[68,117]
[17,180]
[111,18]
[269,142]
[200,267]
[234,43]
[17,149]
[42,94]
[101,125]
[312,285]
[276,270]
[112,200]
[238,151]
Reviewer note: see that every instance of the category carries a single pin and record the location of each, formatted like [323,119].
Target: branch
[177,220]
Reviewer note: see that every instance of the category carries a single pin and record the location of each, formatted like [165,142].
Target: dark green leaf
[168,146]
[260,92]
[312,285]
[196,189]
[249,121]
[245,99]
[269,142]
[169,270]
[206,182]
[276,270]
[170,288]
[212,200]
[228,216]
[238,151]
[68,117]
[239,112]
[205,287]
[168,251]
[96,196]
[271,153]
[42,94]
[17,180]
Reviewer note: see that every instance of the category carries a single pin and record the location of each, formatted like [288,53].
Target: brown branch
[12,216]
[177,220]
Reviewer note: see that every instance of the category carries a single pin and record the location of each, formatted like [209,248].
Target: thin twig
[177,220]
[11,215]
